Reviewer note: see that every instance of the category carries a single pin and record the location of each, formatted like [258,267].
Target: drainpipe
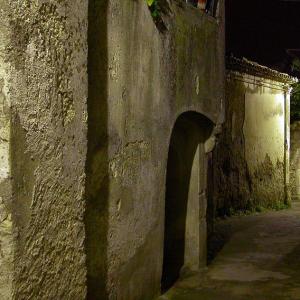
[286,144]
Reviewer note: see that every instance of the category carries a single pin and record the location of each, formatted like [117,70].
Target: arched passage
[185,203]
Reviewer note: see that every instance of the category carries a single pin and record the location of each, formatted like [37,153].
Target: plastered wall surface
[6,228]
[264,127]
[96,88]
[185,200]
[251,158]
[264,131]
[153,76]
[47,84]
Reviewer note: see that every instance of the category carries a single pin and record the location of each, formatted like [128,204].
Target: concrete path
[260,261]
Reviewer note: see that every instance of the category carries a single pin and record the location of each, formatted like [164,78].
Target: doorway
[185,204]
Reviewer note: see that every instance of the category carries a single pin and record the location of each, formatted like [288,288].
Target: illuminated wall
[264,126]
[6,235]
[251,160]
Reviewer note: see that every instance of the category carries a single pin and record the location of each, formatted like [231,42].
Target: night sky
[262,30]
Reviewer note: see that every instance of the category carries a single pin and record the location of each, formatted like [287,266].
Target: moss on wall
[249,158]
[148,78]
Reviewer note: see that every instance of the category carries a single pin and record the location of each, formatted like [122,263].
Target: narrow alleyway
[260,260]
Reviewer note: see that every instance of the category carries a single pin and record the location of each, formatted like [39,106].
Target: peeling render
[141,80]
[251,158]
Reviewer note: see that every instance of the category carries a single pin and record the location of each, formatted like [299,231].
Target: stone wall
[251,160]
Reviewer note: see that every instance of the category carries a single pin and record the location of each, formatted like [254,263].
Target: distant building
[251,161]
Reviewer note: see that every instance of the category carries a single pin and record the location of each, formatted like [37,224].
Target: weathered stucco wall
[141,80]
[47,83]
[88,158]
[251,157]
[6,230]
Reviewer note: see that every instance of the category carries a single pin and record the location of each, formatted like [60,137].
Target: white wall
[264,126]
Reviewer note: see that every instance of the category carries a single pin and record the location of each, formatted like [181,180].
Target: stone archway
[185,204]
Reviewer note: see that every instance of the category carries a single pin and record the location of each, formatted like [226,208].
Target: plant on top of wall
[295,96]
[158,8]
[295,103]
[153,6]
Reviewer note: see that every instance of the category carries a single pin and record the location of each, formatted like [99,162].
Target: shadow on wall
[185,209]
[97,180]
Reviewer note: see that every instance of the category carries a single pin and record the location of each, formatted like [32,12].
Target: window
[209,6]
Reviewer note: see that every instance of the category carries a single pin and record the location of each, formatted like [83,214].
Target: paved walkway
[260,261]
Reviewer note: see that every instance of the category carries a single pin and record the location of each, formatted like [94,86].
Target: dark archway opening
[185,204]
